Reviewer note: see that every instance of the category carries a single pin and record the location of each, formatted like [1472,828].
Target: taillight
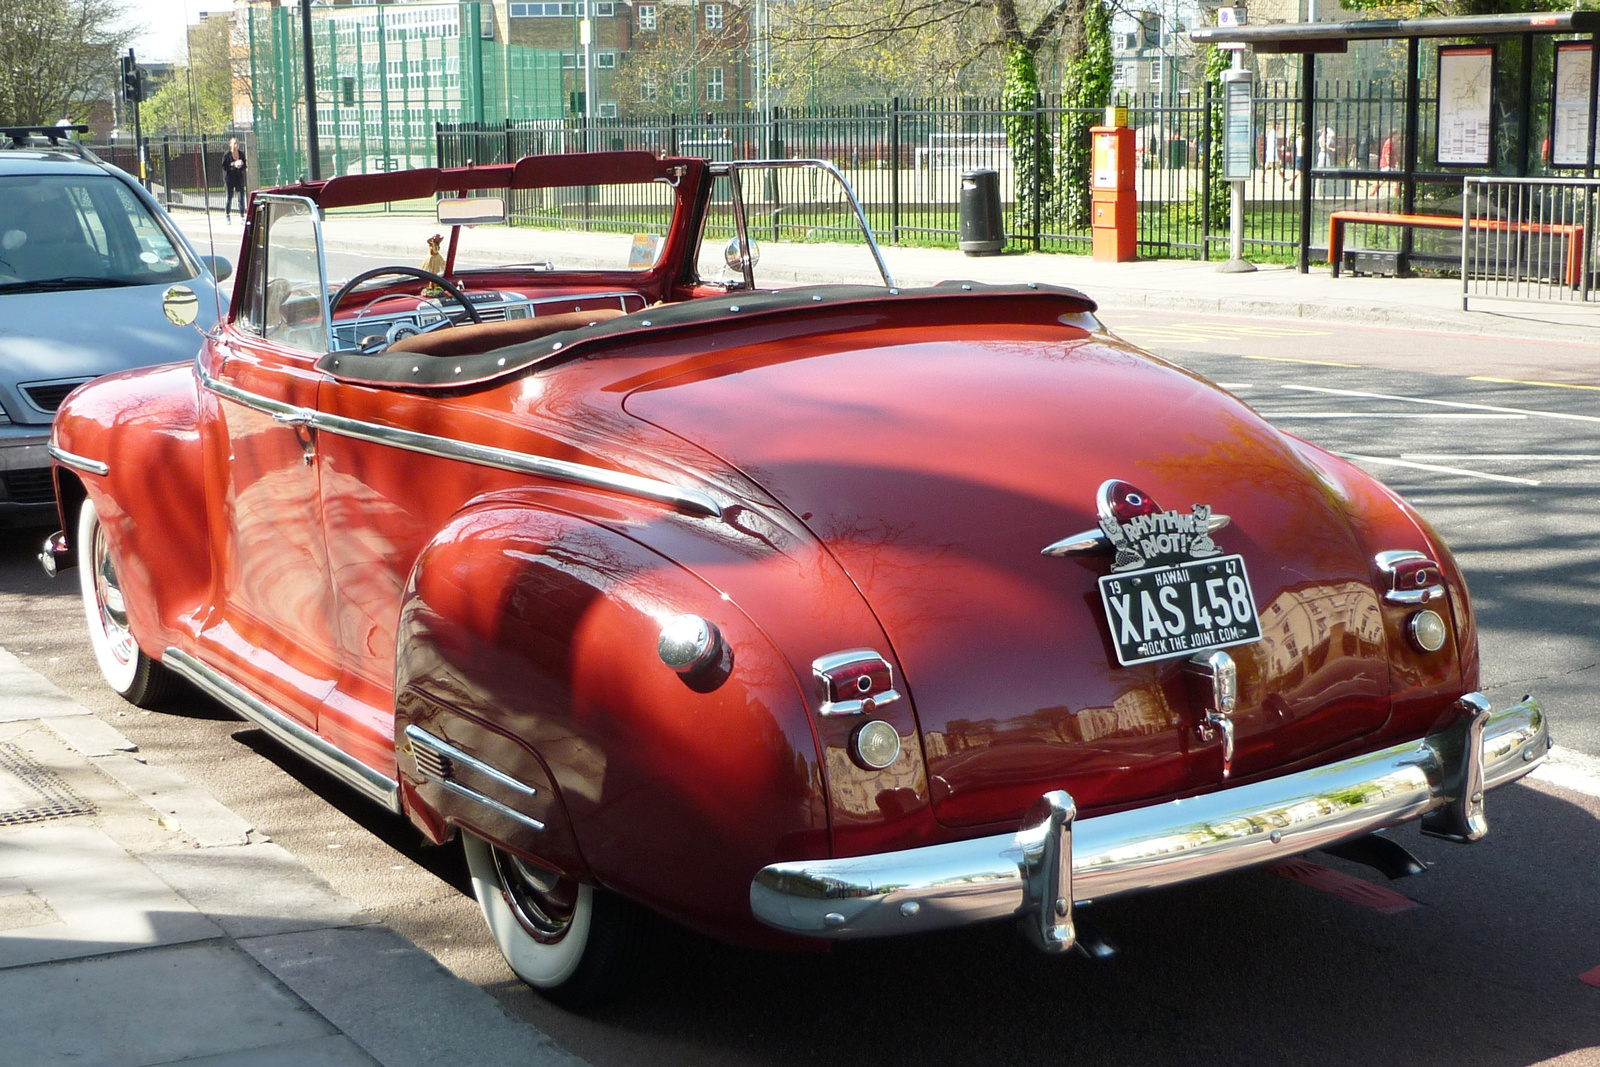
[1413,577]
[853,682]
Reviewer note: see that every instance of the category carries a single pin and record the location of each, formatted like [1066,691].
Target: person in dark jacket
[233,166]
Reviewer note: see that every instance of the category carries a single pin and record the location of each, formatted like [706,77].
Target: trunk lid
[937,471]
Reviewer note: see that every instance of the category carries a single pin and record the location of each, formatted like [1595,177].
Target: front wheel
[575,944]
[136,677]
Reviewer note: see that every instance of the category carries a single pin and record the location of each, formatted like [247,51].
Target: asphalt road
[1475,962]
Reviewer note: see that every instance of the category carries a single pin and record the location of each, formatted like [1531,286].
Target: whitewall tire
[133,675]
[573,943]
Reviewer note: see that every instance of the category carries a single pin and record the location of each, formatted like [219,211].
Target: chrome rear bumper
[1055,860]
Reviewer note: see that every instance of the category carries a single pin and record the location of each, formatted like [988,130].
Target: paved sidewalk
[143,923]
[1168,284]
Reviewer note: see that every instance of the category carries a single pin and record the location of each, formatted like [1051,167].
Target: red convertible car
[789,614]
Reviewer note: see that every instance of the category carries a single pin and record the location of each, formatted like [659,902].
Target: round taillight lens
[1427,630]
[877,744]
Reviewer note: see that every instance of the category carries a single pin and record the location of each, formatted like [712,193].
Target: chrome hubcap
[108,598]
[542,900]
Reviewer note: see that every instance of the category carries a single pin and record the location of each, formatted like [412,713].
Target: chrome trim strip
[418,736]
[346,768]
[469,794]
[78,463]
[962,882]
[691,501]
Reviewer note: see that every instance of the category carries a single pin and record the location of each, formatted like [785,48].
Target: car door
[272,627]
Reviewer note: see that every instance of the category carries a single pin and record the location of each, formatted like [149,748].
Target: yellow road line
[1314,362]
[1519,381]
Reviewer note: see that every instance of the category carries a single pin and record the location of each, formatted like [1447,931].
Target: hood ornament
[1141,533]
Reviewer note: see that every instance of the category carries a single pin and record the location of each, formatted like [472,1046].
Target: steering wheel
[414,272]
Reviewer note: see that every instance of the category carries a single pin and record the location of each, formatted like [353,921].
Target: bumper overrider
[1056,860]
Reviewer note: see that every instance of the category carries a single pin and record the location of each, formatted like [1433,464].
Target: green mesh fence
[386,77]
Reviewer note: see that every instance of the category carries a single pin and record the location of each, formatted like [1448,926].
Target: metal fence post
[894,172]
[1205,172]
[510,156]
[166,169]
[1308,104]
[1037,166]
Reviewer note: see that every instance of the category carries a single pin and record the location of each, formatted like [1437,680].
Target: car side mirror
[180,305]
[219,267]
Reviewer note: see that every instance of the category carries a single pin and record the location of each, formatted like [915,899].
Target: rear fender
[527,642]
[1423,686]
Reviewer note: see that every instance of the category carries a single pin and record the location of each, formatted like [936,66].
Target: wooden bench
[1338,220]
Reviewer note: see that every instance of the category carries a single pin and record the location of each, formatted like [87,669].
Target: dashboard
[391,315]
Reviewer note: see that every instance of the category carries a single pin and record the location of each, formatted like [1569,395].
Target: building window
[1155,72]
[608,111]
[647,16]
[680,87]
[714,84]
[574,61]
[559,10]
[648,88]
[605,60]
[713,16]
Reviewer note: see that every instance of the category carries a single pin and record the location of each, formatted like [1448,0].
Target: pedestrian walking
[233,167]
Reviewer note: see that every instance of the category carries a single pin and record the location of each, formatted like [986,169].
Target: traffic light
[132,84]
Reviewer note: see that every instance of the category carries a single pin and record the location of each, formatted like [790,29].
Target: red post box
[1115,199]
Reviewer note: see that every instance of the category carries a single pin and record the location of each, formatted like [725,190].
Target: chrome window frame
[322,256]
[730,170]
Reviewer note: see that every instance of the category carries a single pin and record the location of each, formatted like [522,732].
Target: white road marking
[1442,403]
[1470,416]
[1384,462]
[1507,457]
[1567,769]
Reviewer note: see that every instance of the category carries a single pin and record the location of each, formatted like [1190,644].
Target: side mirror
[180,305]
[219,267]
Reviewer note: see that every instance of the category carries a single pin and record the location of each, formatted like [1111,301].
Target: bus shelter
[1502,97]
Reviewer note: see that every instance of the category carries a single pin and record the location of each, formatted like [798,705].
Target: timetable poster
[1569,141]
[1466,89]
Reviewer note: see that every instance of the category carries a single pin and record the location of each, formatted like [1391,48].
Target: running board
[346,768]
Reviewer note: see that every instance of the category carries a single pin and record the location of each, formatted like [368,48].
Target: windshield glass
[81,231]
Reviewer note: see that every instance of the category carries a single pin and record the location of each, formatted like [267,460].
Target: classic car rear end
[792,614]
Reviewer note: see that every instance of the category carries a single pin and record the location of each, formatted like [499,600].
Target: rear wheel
[575,944]
[135,676]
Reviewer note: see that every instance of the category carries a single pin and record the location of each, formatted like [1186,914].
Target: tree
[199,98]
[1085,88]
[1015,33]
[57,57]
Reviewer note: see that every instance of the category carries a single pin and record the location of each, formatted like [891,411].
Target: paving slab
[400,1004]
[104,899]
[27,694]
[149,1007]
[254,890]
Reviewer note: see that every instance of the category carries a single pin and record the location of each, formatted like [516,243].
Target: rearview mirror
[472,211]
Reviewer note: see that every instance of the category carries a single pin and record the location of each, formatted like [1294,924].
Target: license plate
[1164,612]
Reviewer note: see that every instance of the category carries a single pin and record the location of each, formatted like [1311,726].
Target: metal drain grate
[31,792]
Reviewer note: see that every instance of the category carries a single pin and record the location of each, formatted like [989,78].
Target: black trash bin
[983,231]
